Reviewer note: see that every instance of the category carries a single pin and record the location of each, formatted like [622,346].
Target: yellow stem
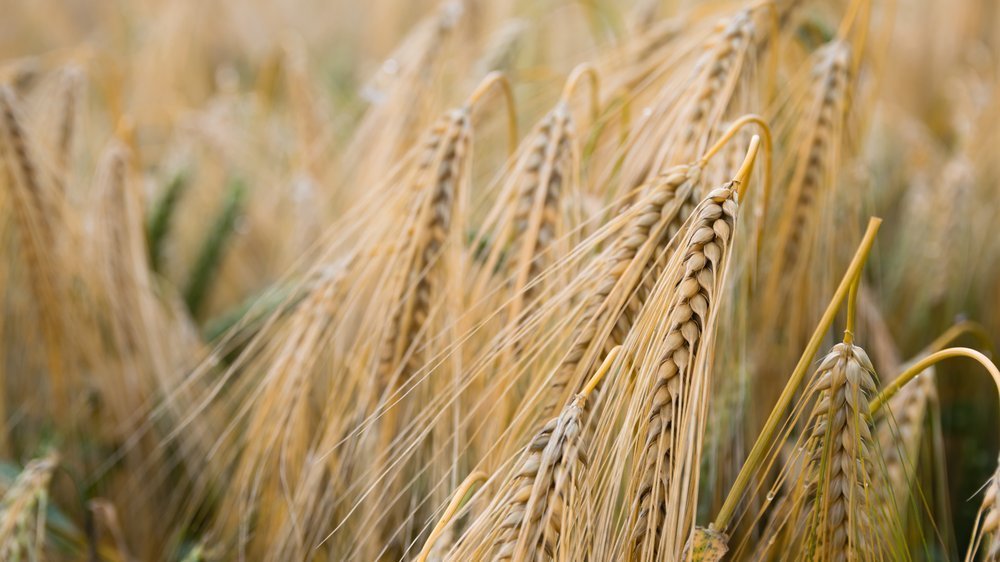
[761,446]
[601,372]
[852,307]
[588,71]
[743,174]
[626,114]
[774,45]
[765,132]
[911,372]
[456,501]
[849,18]
[497,78]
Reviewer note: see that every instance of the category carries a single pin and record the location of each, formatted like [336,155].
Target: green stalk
[210,258]
[248,314]
[160,219]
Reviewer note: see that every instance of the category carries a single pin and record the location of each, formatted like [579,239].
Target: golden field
[493,280]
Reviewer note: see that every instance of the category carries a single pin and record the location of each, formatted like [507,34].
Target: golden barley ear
[634,263]
[532,509]
[656,501]
[846,518]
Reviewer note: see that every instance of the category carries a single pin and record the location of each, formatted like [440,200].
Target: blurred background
[251,118]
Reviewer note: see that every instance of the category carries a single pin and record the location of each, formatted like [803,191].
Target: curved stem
[456,501]
[765,133]
[582,71]
[761,446]
[743,174]
[911,372]
[499,79]
[958,330]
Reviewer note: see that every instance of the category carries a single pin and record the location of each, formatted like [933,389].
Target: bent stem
[760,447]
[582,71]
[500,80]
[920,366]
[765,132]
[456,501]
[744,172]
[974,329]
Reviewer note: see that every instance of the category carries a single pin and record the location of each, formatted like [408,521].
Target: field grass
[505,281]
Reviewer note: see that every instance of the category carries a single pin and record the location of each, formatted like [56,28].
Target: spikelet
[706,545]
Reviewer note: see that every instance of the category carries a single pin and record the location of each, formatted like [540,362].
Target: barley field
[498,280]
